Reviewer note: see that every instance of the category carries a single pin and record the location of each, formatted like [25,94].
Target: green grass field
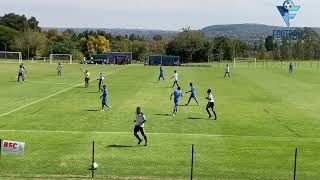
[263,115]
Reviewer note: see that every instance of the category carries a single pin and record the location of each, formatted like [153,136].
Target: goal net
[62,58]
[244,62]
[10,56]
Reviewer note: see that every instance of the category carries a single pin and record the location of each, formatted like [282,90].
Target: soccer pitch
[263,115]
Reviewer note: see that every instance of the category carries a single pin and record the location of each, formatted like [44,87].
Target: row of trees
[306,47]
[17,33]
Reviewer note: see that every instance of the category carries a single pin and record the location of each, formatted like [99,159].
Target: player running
[176,78]
[177,96]
[210,104]
[100,79]
[139,126]
[161,75]
[86,78]
[290,69]
[104,97]
[227,71]
[21,73]
[192,95]
[24,68]
[59,68]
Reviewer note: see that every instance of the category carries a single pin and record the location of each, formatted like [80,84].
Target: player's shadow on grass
[118,146]
[163,114]
[194,118]
[92,110]
[184,105]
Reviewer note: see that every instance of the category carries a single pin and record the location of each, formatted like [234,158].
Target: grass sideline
[263,115]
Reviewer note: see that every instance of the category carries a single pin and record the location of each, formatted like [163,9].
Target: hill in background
[247,32]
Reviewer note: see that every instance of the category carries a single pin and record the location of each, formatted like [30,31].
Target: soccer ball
[95,165]
[288,5]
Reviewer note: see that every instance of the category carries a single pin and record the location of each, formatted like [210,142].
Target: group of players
[140,117]
[177,94]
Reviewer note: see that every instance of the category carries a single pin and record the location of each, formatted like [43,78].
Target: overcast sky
[158,14]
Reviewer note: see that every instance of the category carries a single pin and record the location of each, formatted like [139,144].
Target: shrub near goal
[244,62]
[10,56]
[62,58]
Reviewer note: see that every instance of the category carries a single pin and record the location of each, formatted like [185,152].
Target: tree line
[18,33]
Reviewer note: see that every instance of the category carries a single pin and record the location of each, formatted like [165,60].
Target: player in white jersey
[210,104]
[139,126]
[59,68]
[175,77]
[100,79]
[227,71]
[21,73]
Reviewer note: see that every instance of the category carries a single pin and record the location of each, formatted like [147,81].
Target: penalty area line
[166,134]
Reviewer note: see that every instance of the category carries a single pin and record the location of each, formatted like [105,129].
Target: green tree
[261,48]
[139,49]
[7,36]
[31,41]
[62,43]
[286,48]
[186,44]
[120,44]
[33,24]
[157,37]
[310,39]
[19,22]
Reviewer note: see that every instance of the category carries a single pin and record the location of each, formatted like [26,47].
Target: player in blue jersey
[104,97]
[192,95]
[290,69]
[177,94]
[161,75]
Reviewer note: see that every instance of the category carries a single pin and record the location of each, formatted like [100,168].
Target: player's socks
[139,142]
[215,115]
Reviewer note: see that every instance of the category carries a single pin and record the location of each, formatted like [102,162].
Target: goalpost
[62,58]
[239,60]
[7,55]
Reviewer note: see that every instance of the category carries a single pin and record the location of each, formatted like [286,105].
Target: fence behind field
[315,64]
[159,162]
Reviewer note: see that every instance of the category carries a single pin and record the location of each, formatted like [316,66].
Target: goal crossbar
[6,53]
[245,59]
[57,55]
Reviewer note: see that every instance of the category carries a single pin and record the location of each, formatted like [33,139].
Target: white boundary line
[45,98]
[43,82]
[197,135]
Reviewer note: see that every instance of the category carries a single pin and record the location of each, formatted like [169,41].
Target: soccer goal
[241,62]
[7,55]
[62,58]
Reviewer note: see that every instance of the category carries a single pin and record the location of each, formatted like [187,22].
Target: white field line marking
[45,98]
[181,134]
[44,82]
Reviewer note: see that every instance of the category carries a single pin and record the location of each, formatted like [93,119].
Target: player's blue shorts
[176,102]
[105,101]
